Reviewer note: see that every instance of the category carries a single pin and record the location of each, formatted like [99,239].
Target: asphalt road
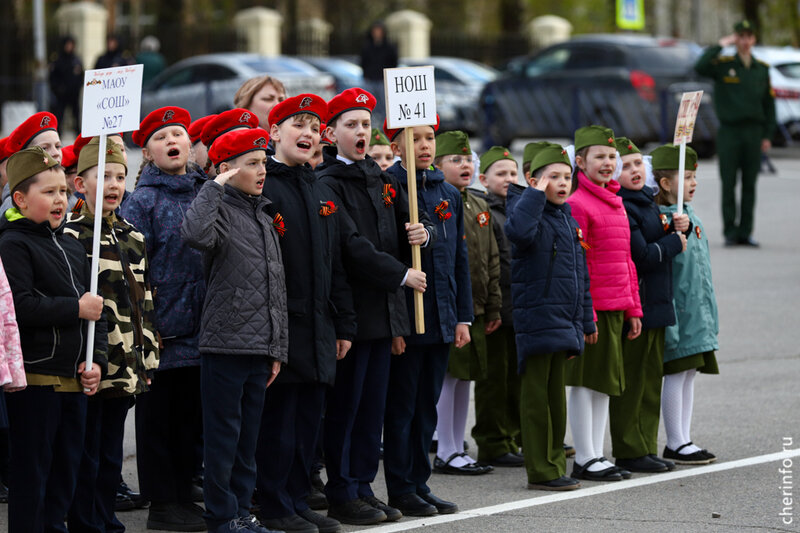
[747,416]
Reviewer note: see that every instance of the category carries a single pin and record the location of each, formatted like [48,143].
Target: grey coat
[245,306]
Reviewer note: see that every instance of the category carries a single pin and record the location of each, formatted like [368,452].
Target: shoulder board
[725,59]
[763,63]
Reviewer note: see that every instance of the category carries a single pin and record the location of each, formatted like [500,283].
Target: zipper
[550,270]
[574,264]
[77,293]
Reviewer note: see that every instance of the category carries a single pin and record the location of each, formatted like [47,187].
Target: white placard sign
[687,115]
[111,100]
[410,97]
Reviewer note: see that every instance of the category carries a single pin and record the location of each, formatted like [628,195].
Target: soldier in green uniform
[454,158]
[745,106]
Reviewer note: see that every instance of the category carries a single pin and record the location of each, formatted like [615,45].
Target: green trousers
[739,149]
[543,409]
[634,414]
[497,426]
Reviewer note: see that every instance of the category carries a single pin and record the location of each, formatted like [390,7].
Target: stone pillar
[86,21]
[547,30]
[259,29]
[314,37]
[411,31]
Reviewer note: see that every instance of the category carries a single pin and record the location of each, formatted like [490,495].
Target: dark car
[630,83]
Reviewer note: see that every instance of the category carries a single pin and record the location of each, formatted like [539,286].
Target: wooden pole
[413,215]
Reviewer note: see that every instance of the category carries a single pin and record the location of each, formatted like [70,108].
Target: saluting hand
[223,178]
[541,182]
[416,234]
[728,40]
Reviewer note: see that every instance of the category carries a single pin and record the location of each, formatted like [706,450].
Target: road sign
[630,14]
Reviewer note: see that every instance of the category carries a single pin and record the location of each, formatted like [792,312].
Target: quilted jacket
[604,222]
[245,307]
[12,369]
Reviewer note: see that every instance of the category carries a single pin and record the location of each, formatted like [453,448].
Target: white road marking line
[583,493]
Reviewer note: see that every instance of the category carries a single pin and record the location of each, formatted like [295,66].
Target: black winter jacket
[652,249]
[48,273]
[319,301]
[245,307]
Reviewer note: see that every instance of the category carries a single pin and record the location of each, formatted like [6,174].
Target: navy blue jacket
[652,249]
[549,277]
[448,298]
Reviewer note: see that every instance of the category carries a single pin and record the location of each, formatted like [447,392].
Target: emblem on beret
[168,114]
[362,99]
[261,141]
[44,160]
[610,140]
[464,149]
[305,102]
[45,121]
[505,154]
[630,147]
[245,117]
[377,136]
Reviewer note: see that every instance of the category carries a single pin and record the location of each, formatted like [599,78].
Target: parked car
[206,84]
[458,87]
[784,76]
[630,83]
[346,74]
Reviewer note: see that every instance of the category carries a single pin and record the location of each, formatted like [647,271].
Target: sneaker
[174,517]
[138,501]
[357,513]
[251,523]
[392,514]
[123,502]
[323,523]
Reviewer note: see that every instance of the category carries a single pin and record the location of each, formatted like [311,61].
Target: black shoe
[316,481]
[730,243]
[607,474]
[249,524]
[696,458]
[669,464]
[562,483]
[322,522]
[471,469]
[289,524]
[173,517]
[442,506]
[642,464]
[508,459]
[412,505]
[139,501]
[196,492]
[392,514]
[569,451]
[748,241]
[3,493]
[123,503]
[317,500]
[709,455]
[357,513]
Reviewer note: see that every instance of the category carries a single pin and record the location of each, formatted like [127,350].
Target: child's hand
[541,183]
[591,338]
[90,306]
[683,241]
[223,178]
[398,346]
[462,335]
[276,368]
[90,379]
[342,346]
[636,328]
[492,326]
[417,280]
[681,222]
[416,234]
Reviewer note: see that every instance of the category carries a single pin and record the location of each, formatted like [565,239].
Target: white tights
[677,401]
[587,411]
[452,420]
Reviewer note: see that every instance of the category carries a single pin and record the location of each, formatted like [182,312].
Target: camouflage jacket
[132,338]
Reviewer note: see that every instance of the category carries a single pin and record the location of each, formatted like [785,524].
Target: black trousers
[47,433]
[287,440]
[168,425]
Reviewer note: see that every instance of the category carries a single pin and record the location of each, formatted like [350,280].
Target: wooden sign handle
[413,214]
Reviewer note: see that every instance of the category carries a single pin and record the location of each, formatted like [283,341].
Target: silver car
[206,84]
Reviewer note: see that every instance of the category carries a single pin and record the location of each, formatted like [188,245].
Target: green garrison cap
[547,155]
[378,138]
[531,149]
[744,26]
[593,136]
[91,151]
[493,155]
[452,143]
[26,163]
[667,156]
[625,146]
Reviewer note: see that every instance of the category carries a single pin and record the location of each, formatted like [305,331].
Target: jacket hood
[152,176]
[237,197]
[607,194]
[13,219]
[644,196]
[428,175]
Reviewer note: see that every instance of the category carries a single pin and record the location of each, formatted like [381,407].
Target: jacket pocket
[550,266]
[178,308]
[42,346]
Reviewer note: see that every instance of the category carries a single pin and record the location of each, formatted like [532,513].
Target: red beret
[391,134]
[324,139]
[235,143]
[33,126]
[3,154]
[196,127]
[225,122]
[161,118]
[68,156]
[302,103]
[79,143]
[348,100]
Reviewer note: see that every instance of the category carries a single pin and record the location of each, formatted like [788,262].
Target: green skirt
[600,366]
[705,362]
[470,362]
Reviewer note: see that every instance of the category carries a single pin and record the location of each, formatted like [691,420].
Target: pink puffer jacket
[604,222]
[12,370]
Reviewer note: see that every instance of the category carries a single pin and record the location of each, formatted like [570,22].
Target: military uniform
[745,106]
